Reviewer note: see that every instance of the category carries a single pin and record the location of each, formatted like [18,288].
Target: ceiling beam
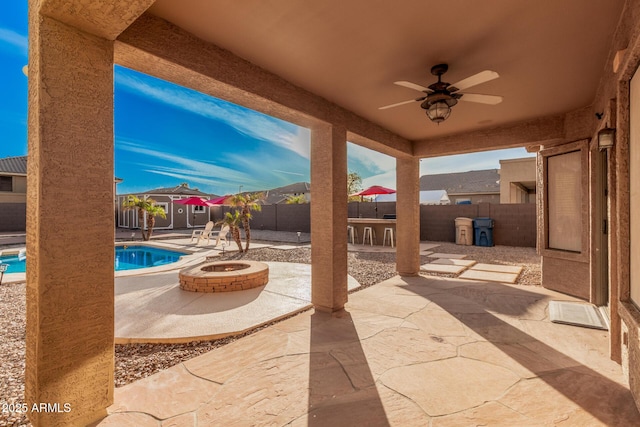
[547,131]
[106,18]
[496,138]
[156,47]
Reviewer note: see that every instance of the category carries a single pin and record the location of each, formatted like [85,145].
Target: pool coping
[190,257]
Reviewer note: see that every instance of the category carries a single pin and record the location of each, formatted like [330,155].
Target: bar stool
[370,233]
[352,234]
[388,231]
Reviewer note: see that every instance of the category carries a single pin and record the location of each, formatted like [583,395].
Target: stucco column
[70,224]
[328,218]
[408,216]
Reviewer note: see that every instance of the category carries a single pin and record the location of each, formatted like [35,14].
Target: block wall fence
[13,216]
[515,224]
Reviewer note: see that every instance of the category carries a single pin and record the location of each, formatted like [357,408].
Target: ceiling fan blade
[399,104]
[413,86]
[476,79]
[482,99]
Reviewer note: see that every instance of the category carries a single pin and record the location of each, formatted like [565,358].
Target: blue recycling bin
[483,230]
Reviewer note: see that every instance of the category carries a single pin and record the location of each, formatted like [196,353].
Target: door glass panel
[564,174]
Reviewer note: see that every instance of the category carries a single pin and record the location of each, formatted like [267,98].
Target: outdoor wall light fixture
[606,138]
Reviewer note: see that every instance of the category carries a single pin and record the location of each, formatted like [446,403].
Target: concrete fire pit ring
[224,276]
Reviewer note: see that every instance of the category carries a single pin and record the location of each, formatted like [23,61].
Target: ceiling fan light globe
[438,112]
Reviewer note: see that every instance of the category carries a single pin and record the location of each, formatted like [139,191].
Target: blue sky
[167,134]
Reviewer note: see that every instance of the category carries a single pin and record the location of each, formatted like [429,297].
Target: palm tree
[247,202]
[233,220]
[134,202]
[152,212]
[143,205]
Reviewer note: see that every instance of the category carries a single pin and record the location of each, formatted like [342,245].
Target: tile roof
[13,165]
[483,181]
[179,189]
[279,194]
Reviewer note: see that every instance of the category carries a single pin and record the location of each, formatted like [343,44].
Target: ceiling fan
[441,96]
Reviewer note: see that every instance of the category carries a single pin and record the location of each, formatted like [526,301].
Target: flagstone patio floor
[418,351]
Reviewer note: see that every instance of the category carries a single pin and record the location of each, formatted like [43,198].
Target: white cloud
[15,40]
[469,162]
[185,177]
[194,170]
[386,179]
[245,121]
[288,173]
[373,161]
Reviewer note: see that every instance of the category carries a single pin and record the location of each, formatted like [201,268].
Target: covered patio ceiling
[550,55]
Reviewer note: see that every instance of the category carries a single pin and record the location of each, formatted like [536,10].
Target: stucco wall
[568,277]
[19,193]
[514,171]
[20,184]
[10,197]
[629,198]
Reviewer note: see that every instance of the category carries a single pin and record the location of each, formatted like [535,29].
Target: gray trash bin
[464,231]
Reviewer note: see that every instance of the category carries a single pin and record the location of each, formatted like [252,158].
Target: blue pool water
[127,258]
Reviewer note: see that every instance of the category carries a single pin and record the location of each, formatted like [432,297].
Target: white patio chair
[202,234]
[222,235]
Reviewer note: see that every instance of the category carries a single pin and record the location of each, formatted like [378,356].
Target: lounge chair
[202,234]
[222,235]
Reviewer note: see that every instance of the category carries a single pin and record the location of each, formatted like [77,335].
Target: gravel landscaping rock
[12,351]
[136,361]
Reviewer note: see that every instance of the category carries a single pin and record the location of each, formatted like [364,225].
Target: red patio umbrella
[219,200]
[193,201]
[372,191]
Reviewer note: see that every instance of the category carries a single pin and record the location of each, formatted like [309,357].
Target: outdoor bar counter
[378,225]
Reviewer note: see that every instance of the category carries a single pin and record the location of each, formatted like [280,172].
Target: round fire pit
[224,276]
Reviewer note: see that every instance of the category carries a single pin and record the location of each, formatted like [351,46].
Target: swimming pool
[134,257]
[127,258]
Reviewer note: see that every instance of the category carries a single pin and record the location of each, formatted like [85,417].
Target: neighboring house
[178,216]
[481,186]
[280,195]
[13,193]
[427,197]
[518,180]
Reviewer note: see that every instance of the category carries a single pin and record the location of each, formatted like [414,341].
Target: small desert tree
[354,184]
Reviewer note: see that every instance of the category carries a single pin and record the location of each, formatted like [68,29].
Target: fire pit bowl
[224,276]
